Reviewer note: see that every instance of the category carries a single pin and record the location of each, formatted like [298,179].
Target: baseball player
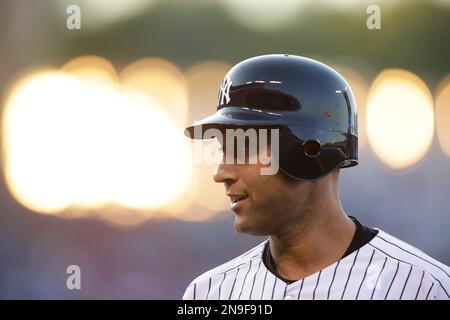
[314,249]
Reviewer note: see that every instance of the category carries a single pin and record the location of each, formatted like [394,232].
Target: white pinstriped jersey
[384,268]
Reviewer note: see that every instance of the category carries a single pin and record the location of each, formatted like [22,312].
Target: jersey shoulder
[240,261]
[405,253]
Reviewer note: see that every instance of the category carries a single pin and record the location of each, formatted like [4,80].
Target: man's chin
[242,225]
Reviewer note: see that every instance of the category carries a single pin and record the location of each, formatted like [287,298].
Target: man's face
[263,204]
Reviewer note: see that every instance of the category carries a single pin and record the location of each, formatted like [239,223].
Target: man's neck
[306,249]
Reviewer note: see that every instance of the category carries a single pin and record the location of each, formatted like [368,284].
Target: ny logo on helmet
[225,91]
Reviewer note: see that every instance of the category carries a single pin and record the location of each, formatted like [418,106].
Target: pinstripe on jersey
[384,268]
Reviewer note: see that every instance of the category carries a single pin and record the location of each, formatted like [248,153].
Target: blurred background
[95,170]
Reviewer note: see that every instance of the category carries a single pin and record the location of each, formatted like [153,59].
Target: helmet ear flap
[303,157]
[311,148]
[296,164]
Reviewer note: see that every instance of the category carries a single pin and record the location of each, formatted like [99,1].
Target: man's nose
[225,173]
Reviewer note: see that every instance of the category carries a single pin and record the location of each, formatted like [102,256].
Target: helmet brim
[233,117]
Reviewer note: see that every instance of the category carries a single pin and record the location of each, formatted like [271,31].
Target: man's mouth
[237,198]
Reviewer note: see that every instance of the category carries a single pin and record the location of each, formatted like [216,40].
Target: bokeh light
[203,82]
[73,143]
[443,114]
[360,89]
[400,118]
[210,195]
[92,68]
[162,80]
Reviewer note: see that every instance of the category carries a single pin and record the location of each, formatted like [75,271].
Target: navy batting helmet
[311,104]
